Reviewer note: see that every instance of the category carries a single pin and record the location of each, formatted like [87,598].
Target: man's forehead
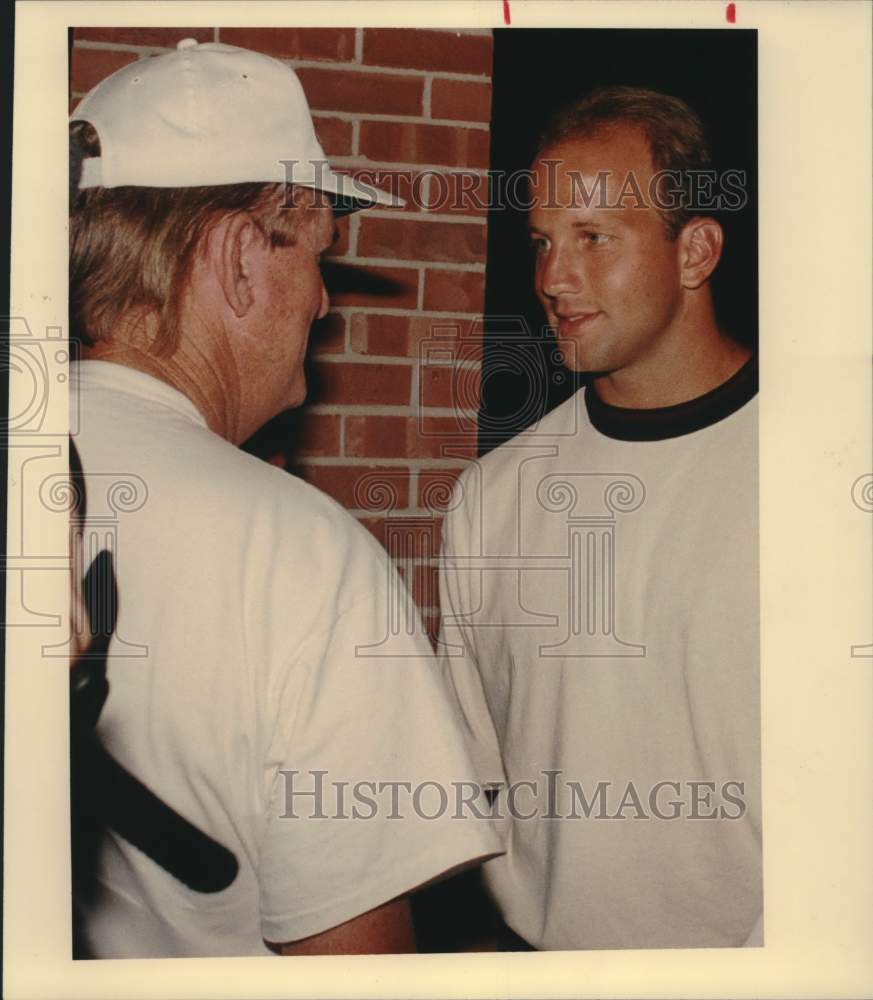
[589,172]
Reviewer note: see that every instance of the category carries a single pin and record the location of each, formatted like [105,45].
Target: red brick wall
[395,381]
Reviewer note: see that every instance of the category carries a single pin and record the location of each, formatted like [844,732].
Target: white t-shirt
[253,594]
[601,589]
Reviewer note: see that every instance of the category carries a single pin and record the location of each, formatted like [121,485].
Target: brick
[296,433]
[407,437]
[388,336]
[461,100]
[457,193]
[425,586]
[374,333]
[376,527]
[362,93]
[372,285]
[153,37]
[432,626]
[461,336]
[418,537]
[359,384]
[406,239]
[449,437]
[377,437]
[457,388]
[328,335]
[406,538]
[319,435]
[334,134]
[369,488]
[90,66]
[454,291]
[435,488]
[405,142]
[428,50]
[336,44]
[461,192]
[412,537]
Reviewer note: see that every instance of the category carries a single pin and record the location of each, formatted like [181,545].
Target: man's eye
[595,239]
[539,244]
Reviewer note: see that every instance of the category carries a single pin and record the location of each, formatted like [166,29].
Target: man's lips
[574,322]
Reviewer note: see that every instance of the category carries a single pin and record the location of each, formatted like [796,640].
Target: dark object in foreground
[105,795]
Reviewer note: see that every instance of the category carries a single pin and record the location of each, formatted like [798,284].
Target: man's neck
[194,378]
[685,369]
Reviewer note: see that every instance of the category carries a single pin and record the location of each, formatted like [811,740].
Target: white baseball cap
[210,114]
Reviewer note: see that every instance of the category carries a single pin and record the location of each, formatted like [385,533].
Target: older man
[270,684]
[603,617]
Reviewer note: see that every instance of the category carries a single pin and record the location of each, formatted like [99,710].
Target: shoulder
[559,430]
[203,492]
[290,511]
[298,556]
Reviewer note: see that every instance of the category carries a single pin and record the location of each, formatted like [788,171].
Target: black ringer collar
[673,421]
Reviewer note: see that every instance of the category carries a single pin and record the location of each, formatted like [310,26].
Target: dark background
[536,71]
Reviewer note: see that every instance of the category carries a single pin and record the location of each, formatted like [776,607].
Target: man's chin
[579,356]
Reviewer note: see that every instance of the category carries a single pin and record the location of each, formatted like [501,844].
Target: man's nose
[559,274]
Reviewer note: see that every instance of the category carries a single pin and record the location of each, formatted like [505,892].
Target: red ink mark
[506,17]
[731,13]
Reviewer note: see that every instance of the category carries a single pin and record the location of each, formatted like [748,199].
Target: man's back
[249,670]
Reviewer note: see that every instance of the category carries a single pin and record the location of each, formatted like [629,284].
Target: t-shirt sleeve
[459,603]
[377,793]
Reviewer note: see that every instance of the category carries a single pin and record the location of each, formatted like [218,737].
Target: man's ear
[231,247]
[700,251]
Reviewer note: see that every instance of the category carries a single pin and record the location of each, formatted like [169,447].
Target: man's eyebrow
[581,224]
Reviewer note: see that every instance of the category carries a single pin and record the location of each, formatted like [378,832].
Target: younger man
[600,580]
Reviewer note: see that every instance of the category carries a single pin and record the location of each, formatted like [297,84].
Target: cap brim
[348,195]
[343,205]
